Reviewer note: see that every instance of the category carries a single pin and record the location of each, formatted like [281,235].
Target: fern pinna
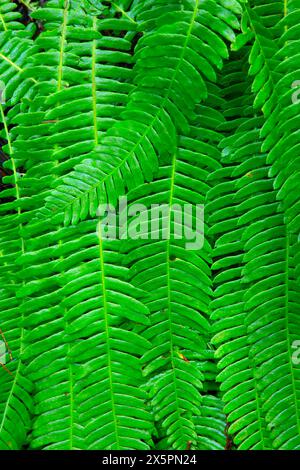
[137,342]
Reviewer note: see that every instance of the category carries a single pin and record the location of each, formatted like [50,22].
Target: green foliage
[138,343]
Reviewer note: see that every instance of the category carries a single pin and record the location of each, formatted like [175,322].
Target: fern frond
[286,148]
[93,399]
[239,385]
[9,16]
[178,333]
[160,105]
[15,398]
[60,404]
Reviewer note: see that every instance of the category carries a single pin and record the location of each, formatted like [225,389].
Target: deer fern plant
[136,342]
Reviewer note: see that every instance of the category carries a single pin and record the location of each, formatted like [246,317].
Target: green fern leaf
[148,127]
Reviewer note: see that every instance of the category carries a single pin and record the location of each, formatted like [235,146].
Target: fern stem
[10,62]
[62,45]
